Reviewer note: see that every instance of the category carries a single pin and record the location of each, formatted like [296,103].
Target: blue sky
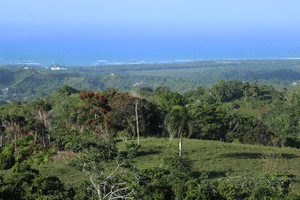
[150,17]
[144,25]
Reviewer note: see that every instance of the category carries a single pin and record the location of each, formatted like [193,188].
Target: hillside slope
[219,159]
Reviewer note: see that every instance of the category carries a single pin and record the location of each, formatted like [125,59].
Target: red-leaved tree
[92,112]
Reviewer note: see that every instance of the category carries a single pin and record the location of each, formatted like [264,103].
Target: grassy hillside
[219,159]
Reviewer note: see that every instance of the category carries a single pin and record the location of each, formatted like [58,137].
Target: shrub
[179,164]
[266,186]
[132,150]
[123,135]
[27,183]
[32,153]
[7,158]
[293,196]
[154,183]
[193,190]
[292,142]
[262,192]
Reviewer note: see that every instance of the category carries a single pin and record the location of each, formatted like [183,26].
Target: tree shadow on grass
[255,155]
[211,174]
[146,153]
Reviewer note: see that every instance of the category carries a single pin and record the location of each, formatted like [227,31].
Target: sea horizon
[104,62]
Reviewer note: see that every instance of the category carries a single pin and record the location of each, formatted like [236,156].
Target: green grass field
[219,159]
[169,72]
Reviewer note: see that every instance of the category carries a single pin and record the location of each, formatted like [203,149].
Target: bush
[179,164]
[293,196]
[262,192]
[23,168]
[32,153]
[193,190]
[292,142]
[7,158]
[123,135]
[27,183]
[132,150]
[154,183]
[266,186]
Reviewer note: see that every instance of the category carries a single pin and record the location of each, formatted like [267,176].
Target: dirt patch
[62,155]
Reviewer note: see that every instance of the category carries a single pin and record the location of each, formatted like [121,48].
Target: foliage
[218,159]
[192,189]
[179,164]
[262,187]
[194,96]
[123,135]
[36,81]
[226,91]
[25,183]
[7,158]
[2,132]
[101,150]
[33,154]
[208,121]
[157,183]
[122,114]
[91,158]
[153,183]
[132,149]
[247,130]
[167,99]
[145,92]
[178,122]
[231,111]
[93,110]
[284,118]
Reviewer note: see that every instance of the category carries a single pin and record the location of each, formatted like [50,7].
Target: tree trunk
[15,142]
[180,145]
[44,144]
[49,134]
[49,139]
[35,137]
[171,137]
[137,122]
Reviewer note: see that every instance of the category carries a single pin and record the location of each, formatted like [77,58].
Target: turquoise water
[87,50]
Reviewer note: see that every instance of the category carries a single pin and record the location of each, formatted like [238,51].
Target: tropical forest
[198,130]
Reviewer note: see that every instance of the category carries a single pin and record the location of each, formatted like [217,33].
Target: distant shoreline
[178,61]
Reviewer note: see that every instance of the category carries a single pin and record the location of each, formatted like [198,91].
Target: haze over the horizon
[97,31]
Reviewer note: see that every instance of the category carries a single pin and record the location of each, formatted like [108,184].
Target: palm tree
[178,122]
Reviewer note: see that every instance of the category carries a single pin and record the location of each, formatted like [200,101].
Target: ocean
[86,50]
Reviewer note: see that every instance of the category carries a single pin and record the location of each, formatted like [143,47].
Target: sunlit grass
[217,158]
[221,159]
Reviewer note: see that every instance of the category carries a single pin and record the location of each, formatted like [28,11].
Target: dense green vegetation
[211,161]
[31,82]
[122,144]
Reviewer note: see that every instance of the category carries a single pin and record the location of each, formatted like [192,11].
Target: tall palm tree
[179,123]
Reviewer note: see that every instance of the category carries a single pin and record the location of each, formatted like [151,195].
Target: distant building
[137,84]
[57,68]
[5,91]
